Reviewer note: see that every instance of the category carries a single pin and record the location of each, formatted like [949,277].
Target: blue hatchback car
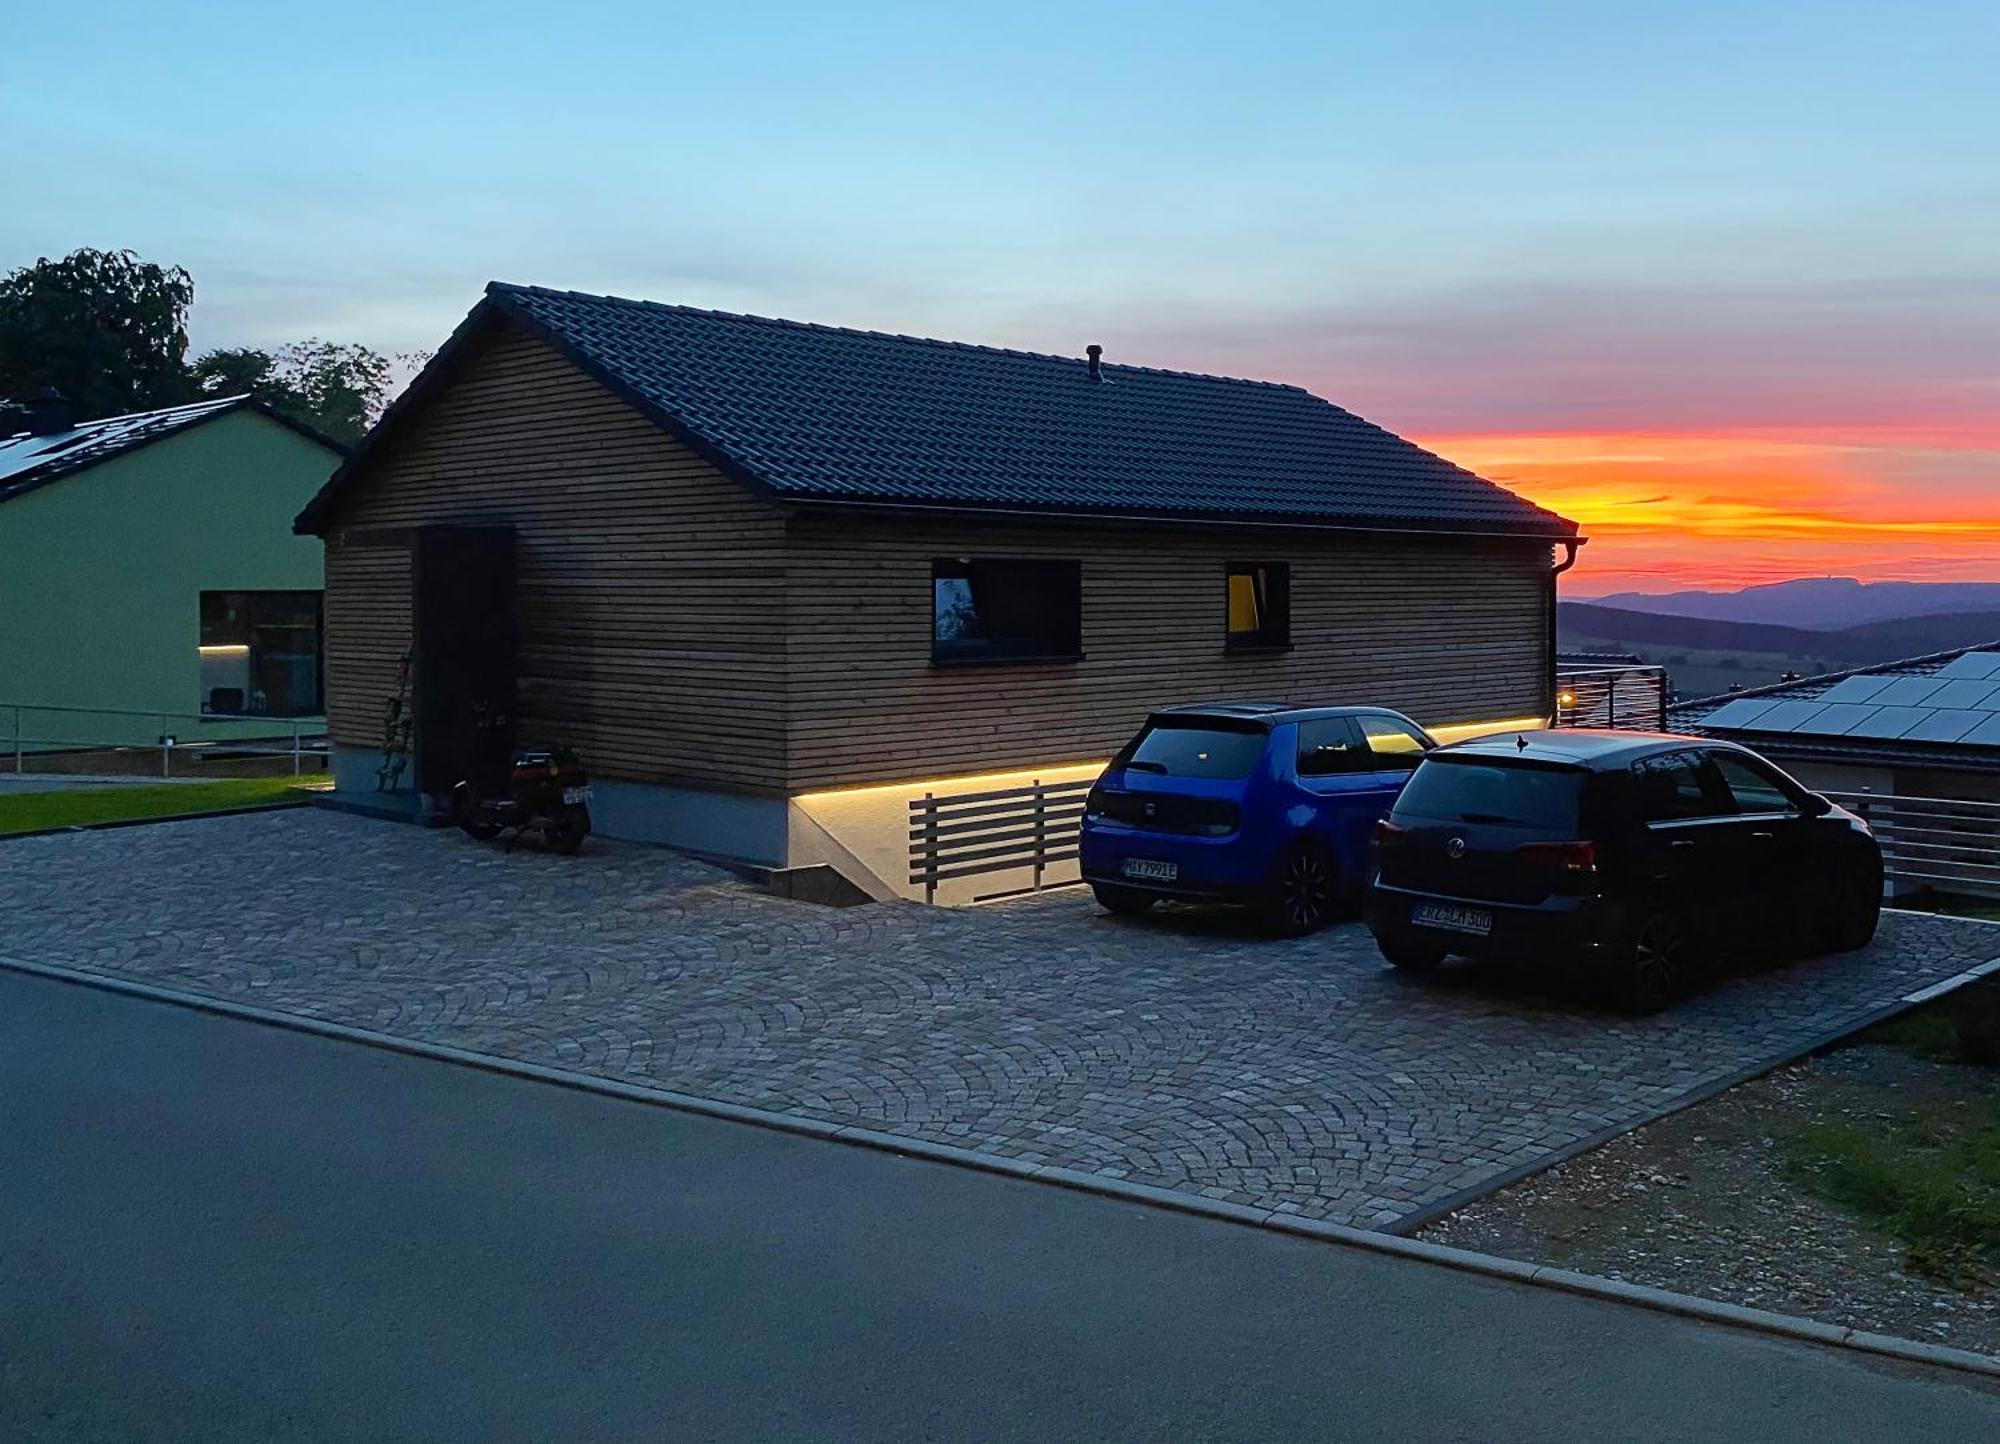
[1252,803]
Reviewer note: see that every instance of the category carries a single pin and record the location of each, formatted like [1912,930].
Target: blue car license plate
[1453,919]
[1144,869]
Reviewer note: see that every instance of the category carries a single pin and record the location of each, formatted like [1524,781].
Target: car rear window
[1196,748]
[1508,794]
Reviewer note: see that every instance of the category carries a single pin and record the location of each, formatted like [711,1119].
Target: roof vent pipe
[1096,354]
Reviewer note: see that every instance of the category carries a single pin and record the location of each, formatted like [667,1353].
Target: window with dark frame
[1260,604]
[261,654]
[1003,610]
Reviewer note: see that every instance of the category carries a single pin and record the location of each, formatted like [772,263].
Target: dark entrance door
[463,653]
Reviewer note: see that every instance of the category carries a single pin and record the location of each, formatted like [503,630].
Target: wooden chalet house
[775,579]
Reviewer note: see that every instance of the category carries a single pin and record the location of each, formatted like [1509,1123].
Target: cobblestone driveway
[1303,1076]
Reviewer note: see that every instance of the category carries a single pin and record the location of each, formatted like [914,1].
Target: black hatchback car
[1641,856]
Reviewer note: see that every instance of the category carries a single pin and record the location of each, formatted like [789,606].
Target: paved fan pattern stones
[1183,1052]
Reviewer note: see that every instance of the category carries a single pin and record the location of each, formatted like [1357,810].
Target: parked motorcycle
[547,793]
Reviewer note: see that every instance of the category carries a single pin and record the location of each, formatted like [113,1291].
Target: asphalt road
[212,1229]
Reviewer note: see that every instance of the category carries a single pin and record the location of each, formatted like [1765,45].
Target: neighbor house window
[260,654]
[985,610]
[1260,604]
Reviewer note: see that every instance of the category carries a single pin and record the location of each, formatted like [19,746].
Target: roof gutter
[1787,746]
[962,510]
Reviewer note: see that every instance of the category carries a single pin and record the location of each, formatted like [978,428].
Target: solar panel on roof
[1966,692]
[1786,716]
[1972,664]
[1945,724]
[1740,713]
[1837,720]
[1906,691]
[1987,733]
[1855,689]
[1889,722]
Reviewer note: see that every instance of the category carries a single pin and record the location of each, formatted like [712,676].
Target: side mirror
[1817,806]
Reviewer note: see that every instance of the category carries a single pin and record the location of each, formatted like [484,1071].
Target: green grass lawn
[1931,1182]
[1932,1185]
[72,807]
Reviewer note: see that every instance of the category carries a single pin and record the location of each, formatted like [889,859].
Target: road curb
[1424,1217]
[153,821]
[1413,1250]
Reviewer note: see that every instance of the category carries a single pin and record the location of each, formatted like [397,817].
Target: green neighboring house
[148,566]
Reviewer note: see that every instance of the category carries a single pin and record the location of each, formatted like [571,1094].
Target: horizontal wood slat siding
[1446,629]
[678,628]
[651,586]
[367,636]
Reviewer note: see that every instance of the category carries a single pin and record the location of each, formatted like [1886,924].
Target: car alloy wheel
[1659,962]
[1305,891]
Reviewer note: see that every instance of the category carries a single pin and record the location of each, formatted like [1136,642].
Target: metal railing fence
[46,738]
[971,834]
[1943,844]
[1632,697]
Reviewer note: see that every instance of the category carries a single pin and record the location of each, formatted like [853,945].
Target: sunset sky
[1723,286]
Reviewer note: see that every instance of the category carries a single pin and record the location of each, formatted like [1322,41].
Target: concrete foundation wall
[746,828]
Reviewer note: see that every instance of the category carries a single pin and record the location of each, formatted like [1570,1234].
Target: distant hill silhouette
[1882,641]
[1821,604]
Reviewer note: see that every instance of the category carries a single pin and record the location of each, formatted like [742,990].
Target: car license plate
[1476,921]
[574,795]
[1149,871]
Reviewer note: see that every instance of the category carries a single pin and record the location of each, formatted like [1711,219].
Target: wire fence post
[297,764]
[18,769]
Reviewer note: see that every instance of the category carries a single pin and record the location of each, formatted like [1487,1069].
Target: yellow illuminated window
[1260,604]
[1242,602]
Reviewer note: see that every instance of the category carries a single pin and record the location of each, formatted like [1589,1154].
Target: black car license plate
[1144,869]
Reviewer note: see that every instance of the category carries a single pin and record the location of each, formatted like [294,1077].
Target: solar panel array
[1960,702]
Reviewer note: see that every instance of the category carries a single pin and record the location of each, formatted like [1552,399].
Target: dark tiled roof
[28,461]
[818,413]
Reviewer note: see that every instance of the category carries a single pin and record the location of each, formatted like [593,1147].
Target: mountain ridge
[1865,645]
[1814,604]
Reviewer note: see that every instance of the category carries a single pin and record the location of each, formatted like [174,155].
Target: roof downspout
[1556,569]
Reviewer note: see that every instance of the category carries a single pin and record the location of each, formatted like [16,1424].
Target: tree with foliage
[335,389]
[106,329]
[109,331]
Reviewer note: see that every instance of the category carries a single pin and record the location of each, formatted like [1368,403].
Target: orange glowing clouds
[1729,510]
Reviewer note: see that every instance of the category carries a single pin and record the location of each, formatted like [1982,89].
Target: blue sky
[1460,219]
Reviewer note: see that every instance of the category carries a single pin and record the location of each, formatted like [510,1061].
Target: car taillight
[1388,833]
[1562,856]
[1093,801]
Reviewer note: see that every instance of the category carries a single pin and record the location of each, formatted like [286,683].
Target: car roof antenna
[1520,742]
